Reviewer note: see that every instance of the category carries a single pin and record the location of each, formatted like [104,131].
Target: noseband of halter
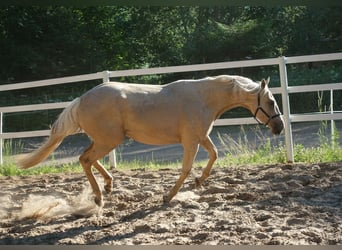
[265,113]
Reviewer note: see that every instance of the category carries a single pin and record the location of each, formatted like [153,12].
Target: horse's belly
[153,136]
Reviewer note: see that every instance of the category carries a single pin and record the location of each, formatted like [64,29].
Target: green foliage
[324,153]
[10,169]
[242,151]
[40,42]
[261,155]
[277,154]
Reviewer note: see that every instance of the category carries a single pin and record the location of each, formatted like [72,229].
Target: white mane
[241,81]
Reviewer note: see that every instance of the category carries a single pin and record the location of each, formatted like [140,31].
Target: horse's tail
[66,124]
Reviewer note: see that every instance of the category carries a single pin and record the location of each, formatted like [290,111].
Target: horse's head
[267,110]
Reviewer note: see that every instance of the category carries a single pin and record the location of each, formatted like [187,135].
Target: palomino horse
[180,112]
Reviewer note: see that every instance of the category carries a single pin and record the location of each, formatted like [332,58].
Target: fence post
[111,154]
[1,141]
[332,123]
[286,109]
[106,75]
[112,159]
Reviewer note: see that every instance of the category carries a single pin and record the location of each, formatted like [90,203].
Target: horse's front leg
[212,150]
[188,159]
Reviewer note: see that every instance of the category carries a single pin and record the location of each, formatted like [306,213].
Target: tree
[44,42]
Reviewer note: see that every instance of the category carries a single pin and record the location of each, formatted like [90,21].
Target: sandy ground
[270,204]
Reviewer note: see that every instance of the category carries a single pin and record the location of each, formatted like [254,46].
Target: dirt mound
[272,204]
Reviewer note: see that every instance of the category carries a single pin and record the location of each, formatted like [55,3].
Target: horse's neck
[225,96]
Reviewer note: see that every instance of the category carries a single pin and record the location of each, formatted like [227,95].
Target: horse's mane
[233,80]
[240,81]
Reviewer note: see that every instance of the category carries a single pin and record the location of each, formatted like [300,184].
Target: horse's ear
[268,80]
[265,82]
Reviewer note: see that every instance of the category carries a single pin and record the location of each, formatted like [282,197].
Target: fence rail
[34,107]
[105,76]
[55,81]
[195,67]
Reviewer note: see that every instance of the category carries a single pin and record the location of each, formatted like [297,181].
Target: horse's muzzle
[277,125]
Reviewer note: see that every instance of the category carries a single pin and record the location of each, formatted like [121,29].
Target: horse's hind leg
[90,157]
[108,178]
[210,147]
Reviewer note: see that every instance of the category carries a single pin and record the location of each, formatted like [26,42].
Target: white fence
[284,90]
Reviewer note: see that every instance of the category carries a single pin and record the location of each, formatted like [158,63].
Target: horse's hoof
[108,189]
[197,182]
[166,199]
[98,201]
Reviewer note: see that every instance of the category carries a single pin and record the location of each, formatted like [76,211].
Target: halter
[265,113]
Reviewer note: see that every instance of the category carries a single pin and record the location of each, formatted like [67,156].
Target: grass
[11,169]
[241,151]
[266,154]
[238,152]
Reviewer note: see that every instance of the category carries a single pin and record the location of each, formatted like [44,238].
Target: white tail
[65,125]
